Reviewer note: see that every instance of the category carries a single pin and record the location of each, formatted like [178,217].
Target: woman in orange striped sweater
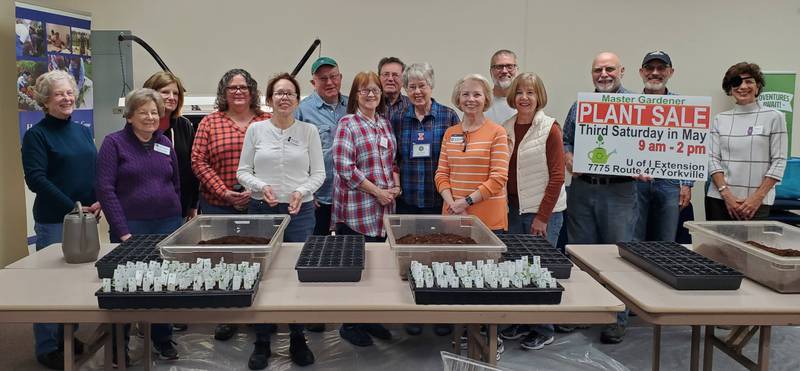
[473,165]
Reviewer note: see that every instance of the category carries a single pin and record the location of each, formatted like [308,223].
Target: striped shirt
[215,154]
[477,160]
[748,143]
[362,150]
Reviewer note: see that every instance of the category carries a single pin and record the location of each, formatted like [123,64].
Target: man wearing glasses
[601,209]
[660,200]
[503,68]
[390,71]
[323,108]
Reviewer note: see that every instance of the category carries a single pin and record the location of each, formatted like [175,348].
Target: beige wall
[12,200]
[199,40]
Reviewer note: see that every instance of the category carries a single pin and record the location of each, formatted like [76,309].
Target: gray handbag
[81,243]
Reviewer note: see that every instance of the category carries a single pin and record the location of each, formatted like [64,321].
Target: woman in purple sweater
[137,177]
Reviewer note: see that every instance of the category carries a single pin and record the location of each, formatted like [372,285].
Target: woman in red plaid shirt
[365,182]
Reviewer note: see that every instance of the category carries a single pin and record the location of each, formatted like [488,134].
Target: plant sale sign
[664,136]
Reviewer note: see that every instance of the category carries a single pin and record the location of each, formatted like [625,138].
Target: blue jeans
[602,214]
[521,224]
[658,210]
[300,226]
[47,336]
[207,208]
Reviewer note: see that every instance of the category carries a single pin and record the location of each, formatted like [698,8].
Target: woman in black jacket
[181,132]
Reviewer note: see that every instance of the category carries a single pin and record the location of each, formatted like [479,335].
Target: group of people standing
[339,163]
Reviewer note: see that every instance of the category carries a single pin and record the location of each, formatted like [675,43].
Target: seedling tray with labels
[331,259]
[519,245]
[680,267]
[529,295]
[216,298]
[137,248]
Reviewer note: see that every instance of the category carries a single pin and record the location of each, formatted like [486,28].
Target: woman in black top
[181,132]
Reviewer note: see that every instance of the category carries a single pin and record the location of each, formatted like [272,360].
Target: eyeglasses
[465,142]
[421,87]
[657,67]
[607,69]
[500,67]
[374,91]
[387,75]
[236,88]
[287,94]
[331,77]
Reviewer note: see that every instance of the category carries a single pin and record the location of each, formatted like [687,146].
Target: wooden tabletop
[751,304]
[37,289]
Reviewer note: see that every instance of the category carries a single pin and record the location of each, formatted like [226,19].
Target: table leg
[108,353]
[708,349]
[492,351]
[69,353]
[121,348]
[694,361]
[148,353]
[656,347]
[472,344]
[763,348]
[457,331]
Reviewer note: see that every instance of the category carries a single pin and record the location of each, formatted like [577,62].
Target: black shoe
[612,334]
[179,327]
[355,335]
[515,332]
[535,341]
[299,352]
[442,330]
[378,331]
[261,352]
[53,360]
[166,350]
[413,329]
[315,327]
[224,332]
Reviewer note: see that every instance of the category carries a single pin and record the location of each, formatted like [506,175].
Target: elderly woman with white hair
[58,158]
[139,185]
[473,165]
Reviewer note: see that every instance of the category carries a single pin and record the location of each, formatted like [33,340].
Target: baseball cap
[322,61]
[657,55]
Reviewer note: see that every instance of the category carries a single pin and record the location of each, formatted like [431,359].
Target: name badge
[384,142]
[755,130]
[421,145]
[160,148]
[457,138]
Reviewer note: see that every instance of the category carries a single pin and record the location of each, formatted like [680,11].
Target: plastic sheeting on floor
[577,351]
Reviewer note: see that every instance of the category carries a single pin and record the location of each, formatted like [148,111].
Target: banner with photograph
[778,93]
[46,40]
[665,136]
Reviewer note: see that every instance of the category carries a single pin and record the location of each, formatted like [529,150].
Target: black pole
[303,61]
[147,47]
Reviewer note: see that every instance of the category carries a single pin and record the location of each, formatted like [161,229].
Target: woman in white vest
[536,194]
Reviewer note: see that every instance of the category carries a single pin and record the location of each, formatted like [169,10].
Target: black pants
[716,210]
[323,216]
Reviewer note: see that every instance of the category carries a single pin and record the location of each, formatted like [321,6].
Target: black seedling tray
[178,299]
[331,259]
[137,248]
[486,296]
[679,267]
[519,245]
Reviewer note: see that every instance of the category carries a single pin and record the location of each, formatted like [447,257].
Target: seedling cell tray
[519,245]
[331,259]
[178,299]
[137,248]
[680,267]
[486,296]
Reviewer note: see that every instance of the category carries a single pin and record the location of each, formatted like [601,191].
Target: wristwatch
[469,200]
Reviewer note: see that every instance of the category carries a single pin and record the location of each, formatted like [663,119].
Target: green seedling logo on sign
[599,155]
